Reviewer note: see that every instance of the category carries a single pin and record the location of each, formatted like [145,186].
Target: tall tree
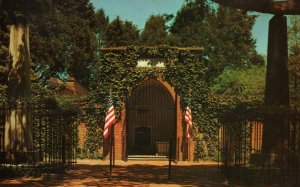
[189,24]
[155,31]
[131,33]
[102,22]
[82,24]
[232,39]
[120,33]
[64,41]
[114,33]
[225,34]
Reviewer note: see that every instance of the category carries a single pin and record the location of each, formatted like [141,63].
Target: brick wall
[82,131]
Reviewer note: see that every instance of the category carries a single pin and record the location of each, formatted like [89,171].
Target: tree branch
[266,6]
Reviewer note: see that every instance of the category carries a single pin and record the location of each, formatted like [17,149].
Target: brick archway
[182,150]
[150,124]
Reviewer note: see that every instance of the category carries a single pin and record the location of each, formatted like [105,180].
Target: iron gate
[151,121]
[54,142]
[242,155]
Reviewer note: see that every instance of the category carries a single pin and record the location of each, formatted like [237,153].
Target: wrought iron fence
[54,140]
[241,151]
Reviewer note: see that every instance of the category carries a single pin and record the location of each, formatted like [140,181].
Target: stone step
[147,157]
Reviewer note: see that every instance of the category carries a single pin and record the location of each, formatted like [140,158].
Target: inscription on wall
[151,62]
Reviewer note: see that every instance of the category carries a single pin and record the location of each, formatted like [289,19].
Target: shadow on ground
[95,173]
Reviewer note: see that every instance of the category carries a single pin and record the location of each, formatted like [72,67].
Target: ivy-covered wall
[116,74]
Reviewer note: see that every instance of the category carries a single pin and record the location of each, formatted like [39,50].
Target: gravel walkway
[131,173]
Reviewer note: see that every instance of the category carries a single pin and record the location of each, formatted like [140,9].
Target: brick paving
[131,173]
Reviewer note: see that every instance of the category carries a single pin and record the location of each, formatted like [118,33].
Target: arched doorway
[151,124]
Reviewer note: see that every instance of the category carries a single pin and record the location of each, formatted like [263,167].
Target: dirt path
[131,173]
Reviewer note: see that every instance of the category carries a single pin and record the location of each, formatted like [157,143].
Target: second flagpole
[111,152]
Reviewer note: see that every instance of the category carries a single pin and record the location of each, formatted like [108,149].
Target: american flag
[110,119]
[188,120]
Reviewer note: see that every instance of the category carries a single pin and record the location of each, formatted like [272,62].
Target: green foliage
[155,31]
[84,154]
[102,22]
[119,33]
[91,116]
[233,38]
[62,36]
[48,95]
[66,30]
[232,91]
[188,26]
[237,91]
[10,8]
[244,86]
[224,33]
[294,40]
[189,77]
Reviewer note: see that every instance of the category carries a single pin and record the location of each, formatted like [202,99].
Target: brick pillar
[120,137]
[180,142]
[185,150]
[191,150]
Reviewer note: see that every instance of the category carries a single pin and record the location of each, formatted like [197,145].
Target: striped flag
[188,120]
[110,119]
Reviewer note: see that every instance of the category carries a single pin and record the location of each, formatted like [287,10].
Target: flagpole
[188,149]
[170,164]
[110,157]
[188,129]
[111,144]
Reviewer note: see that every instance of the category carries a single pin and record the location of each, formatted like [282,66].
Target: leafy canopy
[63,40]
[155,31]
[224,33]
[236,87]
[120,33]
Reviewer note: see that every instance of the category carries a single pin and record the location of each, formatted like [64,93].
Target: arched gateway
[151,121]
[151,125]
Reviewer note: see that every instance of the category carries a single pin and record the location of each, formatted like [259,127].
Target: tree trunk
[18,125]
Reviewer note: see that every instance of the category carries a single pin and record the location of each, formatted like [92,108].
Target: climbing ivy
[116,74]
